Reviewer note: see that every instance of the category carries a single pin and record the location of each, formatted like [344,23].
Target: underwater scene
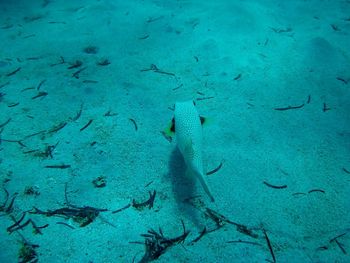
[175,131]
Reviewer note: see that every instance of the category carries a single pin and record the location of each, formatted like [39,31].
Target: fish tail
[204,185]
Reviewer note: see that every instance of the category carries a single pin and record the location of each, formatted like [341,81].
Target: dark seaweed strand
[58,127]
[13,72]
[5,123]
[317,190]
[90,81]
[308,99]
[76,64]
[346,171]
[6,199]
[109,114]
[216,169]
[205,98]
[25,89]
[269,245]
[76,74]
[78,113]
[152,197]
[244,230]
[63,166]
[178,87]
[340,245]
[148,184]
[216,217]
[325,107]
[134,122]
[21,143]
[161,232]
[18,226]
[50,149]
[40,84]
[148,203]
[144,37]
[9,229]
[338,236]
[121,209]
[201,234]
[59,63]
[342,80]
[13,104]
[290,107]
[86,125]
[183,226]
[17,141]
[9,208]
[31,151]
[37,229]
[33,134]
[238,76]
[5,84]
[40,94]
[275,186]
[322,248]
[164,72]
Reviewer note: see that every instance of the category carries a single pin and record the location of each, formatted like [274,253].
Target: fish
[187,127]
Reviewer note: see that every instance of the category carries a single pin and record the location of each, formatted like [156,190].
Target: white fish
[187,125]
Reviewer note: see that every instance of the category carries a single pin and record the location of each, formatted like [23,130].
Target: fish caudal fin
[204,185]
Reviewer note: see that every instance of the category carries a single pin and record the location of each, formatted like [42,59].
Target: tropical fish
[187,126]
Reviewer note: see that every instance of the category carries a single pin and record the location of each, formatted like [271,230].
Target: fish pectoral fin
[205,121]
[170,129]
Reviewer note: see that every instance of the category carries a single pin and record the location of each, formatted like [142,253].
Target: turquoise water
[88,173]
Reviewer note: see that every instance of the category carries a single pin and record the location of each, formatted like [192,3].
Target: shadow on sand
[183,186]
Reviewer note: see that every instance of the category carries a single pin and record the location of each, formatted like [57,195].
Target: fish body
[187,125]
